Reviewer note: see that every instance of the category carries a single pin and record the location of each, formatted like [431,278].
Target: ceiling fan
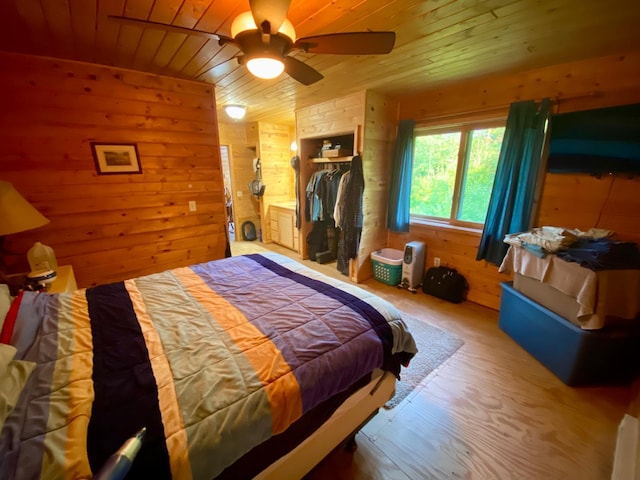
[266,39]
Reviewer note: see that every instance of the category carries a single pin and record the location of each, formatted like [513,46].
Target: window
[453,171]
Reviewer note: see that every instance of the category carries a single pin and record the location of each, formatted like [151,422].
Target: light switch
[192,206]
[239,193]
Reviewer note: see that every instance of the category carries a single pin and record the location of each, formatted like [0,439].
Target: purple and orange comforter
[212,359]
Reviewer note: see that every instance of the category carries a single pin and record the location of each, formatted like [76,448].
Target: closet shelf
[333,159]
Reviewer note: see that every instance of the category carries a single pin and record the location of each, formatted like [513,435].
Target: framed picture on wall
[114,158]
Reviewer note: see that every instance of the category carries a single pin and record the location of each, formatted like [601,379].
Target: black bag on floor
[317,240]
[248,231]
[325,257]
[445,283]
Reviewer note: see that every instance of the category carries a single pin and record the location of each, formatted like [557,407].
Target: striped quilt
[212,359]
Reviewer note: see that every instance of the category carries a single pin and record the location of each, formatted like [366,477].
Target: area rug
[434,347]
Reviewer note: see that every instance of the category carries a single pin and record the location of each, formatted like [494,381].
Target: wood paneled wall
[573,201]
[378,137]
[111,227]
[584,201]
[373,116]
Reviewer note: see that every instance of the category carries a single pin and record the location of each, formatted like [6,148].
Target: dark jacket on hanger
[352,217]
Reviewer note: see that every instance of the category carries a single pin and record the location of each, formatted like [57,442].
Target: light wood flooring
[491,411]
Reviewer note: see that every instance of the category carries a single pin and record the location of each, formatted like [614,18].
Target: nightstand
[65,280]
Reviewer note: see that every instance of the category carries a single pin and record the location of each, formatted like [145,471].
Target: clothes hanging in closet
[350,215]
[321,196]
[340,199]
[321,193]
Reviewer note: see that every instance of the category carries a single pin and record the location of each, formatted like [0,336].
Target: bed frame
[342,426]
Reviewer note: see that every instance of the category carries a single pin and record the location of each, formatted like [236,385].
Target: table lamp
[16,215]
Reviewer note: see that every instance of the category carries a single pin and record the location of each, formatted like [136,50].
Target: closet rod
[333,159]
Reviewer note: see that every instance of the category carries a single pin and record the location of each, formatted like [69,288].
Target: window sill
[421,223]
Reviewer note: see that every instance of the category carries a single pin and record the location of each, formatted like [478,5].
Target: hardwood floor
[491,411]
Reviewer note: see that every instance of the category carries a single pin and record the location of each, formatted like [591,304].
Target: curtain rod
[503,109]
[486,114]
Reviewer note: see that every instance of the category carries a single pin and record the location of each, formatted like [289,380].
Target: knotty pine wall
[111,227]
[378,139]
[573,201]
[373,116]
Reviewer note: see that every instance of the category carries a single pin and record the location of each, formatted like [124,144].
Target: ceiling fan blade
[273,11]
[349,43]
[168,28]
[301,72]
[203,73]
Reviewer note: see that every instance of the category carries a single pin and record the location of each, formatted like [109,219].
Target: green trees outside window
[453,172]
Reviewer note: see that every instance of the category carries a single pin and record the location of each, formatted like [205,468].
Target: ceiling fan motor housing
[253,45]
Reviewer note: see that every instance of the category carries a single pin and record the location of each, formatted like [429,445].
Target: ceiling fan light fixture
[245,22]
[242,23]
[287,29]
[265,67]
[237,112]
[265,40]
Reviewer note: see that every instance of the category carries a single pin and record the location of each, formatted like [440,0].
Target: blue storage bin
[576,356]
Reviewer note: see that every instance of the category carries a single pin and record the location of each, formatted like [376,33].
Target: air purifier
[413,265]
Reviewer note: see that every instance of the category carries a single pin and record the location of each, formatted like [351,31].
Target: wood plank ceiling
[438,41]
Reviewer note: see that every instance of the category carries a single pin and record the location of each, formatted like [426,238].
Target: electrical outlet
[436,262]
[192,206]
[239,193]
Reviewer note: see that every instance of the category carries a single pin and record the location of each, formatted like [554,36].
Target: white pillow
[5,302]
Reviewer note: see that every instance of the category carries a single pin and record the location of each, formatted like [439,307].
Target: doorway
[228,193]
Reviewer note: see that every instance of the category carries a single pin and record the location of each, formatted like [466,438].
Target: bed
[249,366]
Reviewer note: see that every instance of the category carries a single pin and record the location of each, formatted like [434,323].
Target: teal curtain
[514,187]
[400,187]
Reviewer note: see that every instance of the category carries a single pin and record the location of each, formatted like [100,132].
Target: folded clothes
[602,254]
[594,233]
[593,249]
[537,250]
[551,239]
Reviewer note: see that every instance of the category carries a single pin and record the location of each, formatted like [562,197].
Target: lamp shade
[16,214]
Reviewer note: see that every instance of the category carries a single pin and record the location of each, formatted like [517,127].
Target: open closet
[325,196]
[330,135]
